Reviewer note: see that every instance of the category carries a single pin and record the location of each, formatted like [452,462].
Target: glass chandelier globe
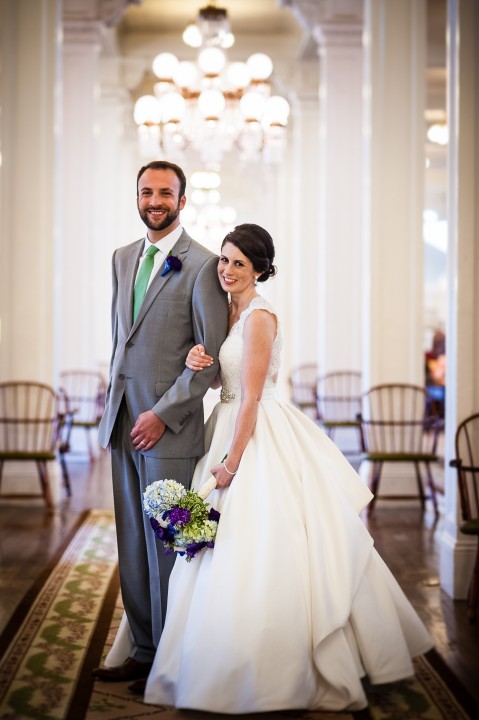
[147,110]
[185,74]
[238,75]
[173,107]
[260,66]
[192,36]
[252,105]
[211,103]
[212,61]
[276,111]
[228,40]
[206,179]
[164,65]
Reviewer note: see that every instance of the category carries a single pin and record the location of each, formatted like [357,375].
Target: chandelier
[212,106]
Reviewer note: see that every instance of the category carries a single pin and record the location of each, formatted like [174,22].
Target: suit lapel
[180,249]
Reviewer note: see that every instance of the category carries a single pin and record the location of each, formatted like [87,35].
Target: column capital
[332,23]
[106,12]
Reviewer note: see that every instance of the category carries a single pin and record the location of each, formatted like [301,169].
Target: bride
[293,606]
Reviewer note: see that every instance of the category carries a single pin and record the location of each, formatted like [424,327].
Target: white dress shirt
[164,246]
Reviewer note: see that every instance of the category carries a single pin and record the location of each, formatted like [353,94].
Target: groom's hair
[257,244]
[164,165]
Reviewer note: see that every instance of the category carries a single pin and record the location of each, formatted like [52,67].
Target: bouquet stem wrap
[207,488]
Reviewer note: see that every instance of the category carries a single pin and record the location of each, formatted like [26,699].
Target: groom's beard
[169,219]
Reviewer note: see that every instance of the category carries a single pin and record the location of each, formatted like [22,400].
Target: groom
[166,298]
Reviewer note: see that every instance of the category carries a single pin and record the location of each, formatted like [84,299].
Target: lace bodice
[231,355]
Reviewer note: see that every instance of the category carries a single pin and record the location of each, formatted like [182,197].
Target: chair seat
[85,423]
[399,457]
[470,527]
[26,455]
[340,423]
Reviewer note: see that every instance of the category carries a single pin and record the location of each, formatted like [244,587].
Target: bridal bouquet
[181,518]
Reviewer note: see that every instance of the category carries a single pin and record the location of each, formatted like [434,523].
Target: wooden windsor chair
[466,463]
[302,383]
[86,392]
[338,402]
[395,428]
[29,428]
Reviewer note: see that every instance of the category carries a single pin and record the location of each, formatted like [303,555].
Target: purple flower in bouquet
[172,263]
[165,534]
[214,515]
[194,548]
[180,516]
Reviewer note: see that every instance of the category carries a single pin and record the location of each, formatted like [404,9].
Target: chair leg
[91,454]
[473,594]
[360,440]
[374,483]
[432,488]
[66,477]
[45,483]
[420,486]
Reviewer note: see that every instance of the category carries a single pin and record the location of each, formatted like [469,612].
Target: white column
[29,204]
[340,207]
[271,208]
[394,101]
[113,187]
[80,116]
[303,259]
[462,338]
[337,205]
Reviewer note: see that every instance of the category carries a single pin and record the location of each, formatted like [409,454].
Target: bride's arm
[197,359]
[258,337]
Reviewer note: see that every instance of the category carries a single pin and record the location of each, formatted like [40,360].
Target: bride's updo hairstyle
[257,245]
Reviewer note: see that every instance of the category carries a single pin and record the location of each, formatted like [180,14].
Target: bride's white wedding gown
[293,605]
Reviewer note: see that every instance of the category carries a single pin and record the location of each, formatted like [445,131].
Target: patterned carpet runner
[42,666]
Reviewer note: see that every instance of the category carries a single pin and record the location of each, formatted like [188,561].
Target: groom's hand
[147,430]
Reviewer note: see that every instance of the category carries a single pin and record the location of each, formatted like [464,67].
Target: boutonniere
[172,263]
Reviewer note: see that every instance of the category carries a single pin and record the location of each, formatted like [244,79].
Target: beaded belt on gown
[227,396]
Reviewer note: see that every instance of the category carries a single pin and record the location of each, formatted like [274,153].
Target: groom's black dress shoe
[130,670]
[138,687]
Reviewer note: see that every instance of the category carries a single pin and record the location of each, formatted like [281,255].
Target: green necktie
[141,284]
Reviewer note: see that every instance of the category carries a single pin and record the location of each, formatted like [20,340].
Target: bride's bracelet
[229,471]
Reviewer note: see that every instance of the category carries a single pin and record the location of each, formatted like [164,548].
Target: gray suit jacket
[181,309]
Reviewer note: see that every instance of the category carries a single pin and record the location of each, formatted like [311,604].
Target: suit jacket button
[121,376]
[129,344]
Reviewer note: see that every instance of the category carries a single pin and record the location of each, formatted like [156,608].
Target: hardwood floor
[407,541]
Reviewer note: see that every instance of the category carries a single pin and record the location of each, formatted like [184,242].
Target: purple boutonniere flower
[172,263]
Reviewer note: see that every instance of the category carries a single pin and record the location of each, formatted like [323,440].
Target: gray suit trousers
[144,568]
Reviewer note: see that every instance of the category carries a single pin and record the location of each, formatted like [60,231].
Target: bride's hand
[223,478]
[197,359]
